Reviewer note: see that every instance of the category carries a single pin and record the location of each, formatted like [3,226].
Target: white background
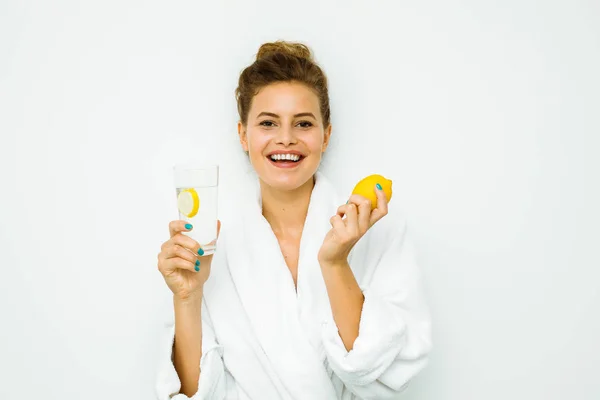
[484,114]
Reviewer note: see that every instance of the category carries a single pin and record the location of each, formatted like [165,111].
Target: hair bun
[290,48]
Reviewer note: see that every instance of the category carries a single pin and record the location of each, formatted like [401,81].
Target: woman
[308,298]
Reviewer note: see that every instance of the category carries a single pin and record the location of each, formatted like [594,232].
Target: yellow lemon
[366,188]
[188,202]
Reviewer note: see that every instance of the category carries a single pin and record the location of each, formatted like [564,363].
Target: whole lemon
[366,188]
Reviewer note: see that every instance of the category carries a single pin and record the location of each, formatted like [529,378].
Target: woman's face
[284,135]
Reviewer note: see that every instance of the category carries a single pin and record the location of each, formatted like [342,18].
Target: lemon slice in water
[188,202]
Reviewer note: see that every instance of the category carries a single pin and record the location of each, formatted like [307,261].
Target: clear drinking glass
[197,193]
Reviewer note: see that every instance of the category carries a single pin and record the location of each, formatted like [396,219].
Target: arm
[196,347]
[346,300]
[187,346]
[394,337]
[183,374]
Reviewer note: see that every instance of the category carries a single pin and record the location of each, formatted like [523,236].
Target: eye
[305,124]
[267,123]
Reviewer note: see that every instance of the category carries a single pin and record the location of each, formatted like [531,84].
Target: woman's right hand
[177,261]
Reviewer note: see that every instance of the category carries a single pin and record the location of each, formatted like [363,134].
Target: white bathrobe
[264,340]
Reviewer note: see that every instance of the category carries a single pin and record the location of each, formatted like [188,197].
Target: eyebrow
[304,114]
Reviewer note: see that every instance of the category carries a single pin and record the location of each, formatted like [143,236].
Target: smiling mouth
[285,157]
[285,160]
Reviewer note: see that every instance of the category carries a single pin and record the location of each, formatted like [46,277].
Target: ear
[326,138]
[243,136]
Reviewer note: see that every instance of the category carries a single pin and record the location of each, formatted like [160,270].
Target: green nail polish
[378,186]
[197,263]
[197,268]
[188,226]
[201,252]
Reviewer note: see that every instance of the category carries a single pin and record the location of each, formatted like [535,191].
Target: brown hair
[282,61]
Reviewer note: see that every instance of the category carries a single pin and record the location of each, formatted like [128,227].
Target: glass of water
[196,187]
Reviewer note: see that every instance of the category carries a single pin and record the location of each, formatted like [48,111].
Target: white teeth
[291,157]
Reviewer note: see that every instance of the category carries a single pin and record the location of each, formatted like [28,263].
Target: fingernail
[188,226]
[197,263]
[197,268]
[378,186]
[200,251]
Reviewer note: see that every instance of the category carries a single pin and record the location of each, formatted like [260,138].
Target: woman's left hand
[346,232]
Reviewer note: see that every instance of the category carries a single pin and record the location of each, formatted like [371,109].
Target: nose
[285,136]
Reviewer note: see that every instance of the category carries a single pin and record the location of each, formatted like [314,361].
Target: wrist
[193,299]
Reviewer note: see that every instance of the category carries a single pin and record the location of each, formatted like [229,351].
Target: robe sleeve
[394,337]
[215,381]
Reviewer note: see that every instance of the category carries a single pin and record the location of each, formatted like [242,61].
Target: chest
[290,249]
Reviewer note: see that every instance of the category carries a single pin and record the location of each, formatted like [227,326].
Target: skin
[285,116]
[282,116]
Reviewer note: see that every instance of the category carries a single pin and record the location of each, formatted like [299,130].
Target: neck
[286,210]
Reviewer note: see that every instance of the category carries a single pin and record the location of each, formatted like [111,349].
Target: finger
[364,211]
[342,210]
[352,219]
[338,225]
[382,206]
[358,199]
[178,251]
[172,264]
[179,226]
[187,243]
[364,215]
